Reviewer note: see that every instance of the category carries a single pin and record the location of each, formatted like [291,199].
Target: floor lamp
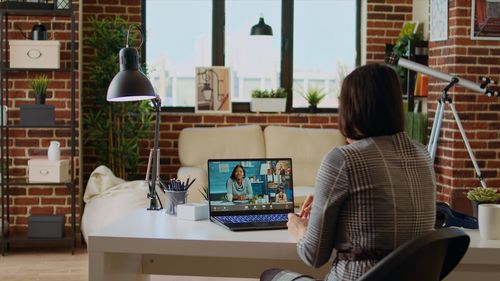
[130,84]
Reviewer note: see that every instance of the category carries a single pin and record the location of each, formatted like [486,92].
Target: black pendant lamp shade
[261,28]
[130,84]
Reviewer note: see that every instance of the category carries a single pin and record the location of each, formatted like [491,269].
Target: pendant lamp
[261,28]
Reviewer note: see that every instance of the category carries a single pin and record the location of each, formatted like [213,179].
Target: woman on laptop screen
[238,186]
[371,195]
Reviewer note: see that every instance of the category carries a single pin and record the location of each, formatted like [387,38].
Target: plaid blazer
[372,195]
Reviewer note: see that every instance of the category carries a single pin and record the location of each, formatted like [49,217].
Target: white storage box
[34,54]
[44,170]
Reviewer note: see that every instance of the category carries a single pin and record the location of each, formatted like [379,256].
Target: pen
[190,184]
[162,184]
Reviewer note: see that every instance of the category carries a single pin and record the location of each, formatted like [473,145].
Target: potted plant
[268,100]
[39,85]
[313,96]
[480,195]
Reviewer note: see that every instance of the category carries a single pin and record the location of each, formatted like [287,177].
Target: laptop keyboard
[253,218]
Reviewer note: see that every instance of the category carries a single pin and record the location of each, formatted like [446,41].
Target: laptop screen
[253,185]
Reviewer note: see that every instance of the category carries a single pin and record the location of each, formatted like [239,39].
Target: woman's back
[390,198]
[392,191]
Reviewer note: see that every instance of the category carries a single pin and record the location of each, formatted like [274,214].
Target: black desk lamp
[130,84]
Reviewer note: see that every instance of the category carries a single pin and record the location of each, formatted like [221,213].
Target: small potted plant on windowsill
[313,96]
[39,85]
[481,195]
[268,101]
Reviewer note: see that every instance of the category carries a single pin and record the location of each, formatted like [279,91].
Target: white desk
[149,242]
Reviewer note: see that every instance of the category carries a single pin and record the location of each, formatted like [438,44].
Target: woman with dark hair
[371,195]
[238,186]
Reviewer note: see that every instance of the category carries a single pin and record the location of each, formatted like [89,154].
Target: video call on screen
[257,184]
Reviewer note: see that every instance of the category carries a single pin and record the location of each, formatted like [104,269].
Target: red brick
[46,210]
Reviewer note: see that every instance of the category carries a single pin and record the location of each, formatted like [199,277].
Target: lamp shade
[130,84]
[261,28]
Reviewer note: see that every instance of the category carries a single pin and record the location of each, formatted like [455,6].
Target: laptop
[250,194]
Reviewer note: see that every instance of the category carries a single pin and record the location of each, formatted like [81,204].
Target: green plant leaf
[313,95]
[481,194]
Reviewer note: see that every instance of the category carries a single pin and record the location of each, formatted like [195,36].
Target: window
[314,44]
[324,47]
[254,60]
[178,39]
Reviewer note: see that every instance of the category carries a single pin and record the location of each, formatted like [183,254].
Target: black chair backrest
[428,257]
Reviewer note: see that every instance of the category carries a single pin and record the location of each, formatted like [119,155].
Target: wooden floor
[57,264]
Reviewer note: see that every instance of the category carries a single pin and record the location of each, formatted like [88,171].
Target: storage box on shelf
[42,226]
[37,115]
[45,5]
[44,170]
[34,54]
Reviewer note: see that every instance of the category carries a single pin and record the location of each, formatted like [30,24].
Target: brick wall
[26,143]
[466,58]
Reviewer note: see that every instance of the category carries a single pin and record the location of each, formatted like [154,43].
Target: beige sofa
[306,147]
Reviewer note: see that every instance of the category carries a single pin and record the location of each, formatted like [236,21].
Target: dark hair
[234,171]
[371,103]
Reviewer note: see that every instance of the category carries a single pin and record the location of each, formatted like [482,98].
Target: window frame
[286,65]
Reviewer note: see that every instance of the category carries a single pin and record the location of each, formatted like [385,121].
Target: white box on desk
[34,54]
[193,211]
[44,170]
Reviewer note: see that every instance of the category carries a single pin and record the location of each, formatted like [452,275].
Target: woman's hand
[305,209]
[240,197]
[297,226]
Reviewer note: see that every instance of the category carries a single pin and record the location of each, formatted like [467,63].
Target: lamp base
[154,206]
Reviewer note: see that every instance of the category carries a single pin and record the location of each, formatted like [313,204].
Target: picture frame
[485,19]
[439,20]
[213,89]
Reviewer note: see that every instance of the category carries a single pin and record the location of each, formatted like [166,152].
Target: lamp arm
[154,174]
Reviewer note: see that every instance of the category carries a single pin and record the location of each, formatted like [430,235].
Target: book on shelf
[421,85]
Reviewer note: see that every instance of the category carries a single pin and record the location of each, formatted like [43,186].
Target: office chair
[429,257]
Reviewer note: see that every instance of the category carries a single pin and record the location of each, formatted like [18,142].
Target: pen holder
[174,198]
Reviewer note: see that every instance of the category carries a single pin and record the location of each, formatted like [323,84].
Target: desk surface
[160,233]
[156,233]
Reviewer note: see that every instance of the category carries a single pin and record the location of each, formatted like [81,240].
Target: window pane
[254,60]
[178,40]
[324,48]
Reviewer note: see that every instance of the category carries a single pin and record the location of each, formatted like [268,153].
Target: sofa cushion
[305,146]
[197,145]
